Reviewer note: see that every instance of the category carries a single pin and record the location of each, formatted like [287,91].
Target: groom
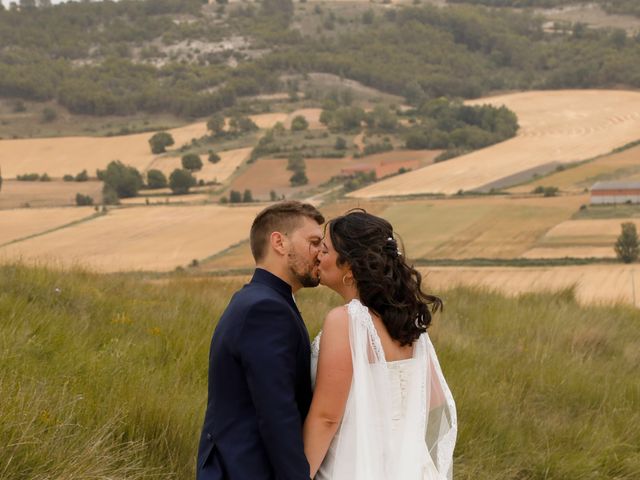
[259,363]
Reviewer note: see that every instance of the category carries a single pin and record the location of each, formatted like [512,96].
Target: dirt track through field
[555,126]
[157,238]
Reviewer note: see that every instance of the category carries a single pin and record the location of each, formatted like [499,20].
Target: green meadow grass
[104,377]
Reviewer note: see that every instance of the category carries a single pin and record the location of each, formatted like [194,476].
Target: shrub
[49,114]
[551,191]
[191,162]
[83,176]
[160,141]
[247,196]
[299,123]
[156,179]
[45,177]
[68,178]
[341,144]
[213,157]
[28,177]
[82,200]
[180,181]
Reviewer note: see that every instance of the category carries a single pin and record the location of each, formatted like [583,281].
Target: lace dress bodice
[399,374]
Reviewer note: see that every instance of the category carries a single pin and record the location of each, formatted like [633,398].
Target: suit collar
[267,278]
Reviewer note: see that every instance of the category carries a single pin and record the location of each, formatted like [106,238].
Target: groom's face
[302,255]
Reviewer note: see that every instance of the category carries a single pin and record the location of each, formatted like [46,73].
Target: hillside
[189,59]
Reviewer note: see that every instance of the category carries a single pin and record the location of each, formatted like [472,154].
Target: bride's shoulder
[336,317]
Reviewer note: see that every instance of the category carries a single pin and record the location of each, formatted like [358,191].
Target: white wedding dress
[400,419]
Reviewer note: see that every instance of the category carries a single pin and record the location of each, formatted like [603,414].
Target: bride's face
[331,273]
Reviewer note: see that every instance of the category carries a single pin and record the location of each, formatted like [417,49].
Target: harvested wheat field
[623,166]
[24,222]
[157,238]
[580,239]
[555,127]
[320,170]
[481,227]
[595,284]
[71,155]
[220,172]
[17,194]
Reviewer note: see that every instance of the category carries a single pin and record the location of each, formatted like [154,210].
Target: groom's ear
[277,241]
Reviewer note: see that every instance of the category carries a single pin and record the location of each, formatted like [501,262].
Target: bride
[381,408]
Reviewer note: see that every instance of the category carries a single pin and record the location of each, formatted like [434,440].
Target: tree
[180,181]
[68,178]
[298,178]
[247,196]
[156,179]
[0,180]
[192,162]
[160,141]
[215,124]
[123,179]
[235,196]
[627,246]
[341,144]
[299,123]
[295,162]
[213,157]
[240,124]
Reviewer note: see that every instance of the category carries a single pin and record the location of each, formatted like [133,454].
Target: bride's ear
[278,242]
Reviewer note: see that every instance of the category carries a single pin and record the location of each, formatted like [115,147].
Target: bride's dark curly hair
[387,285]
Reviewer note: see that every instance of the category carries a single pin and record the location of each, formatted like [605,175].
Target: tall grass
[105,377]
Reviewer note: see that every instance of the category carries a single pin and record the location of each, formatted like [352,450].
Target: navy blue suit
[259,387]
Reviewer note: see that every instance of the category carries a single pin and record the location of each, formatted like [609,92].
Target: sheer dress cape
[372,442]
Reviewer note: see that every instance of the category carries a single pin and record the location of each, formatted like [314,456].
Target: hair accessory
[391,241]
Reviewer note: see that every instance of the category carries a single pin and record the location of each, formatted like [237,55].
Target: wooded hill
[124,57]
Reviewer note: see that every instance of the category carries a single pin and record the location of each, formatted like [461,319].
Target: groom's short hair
[283,217]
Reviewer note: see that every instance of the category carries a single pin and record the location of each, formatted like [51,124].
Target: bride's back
[392,349]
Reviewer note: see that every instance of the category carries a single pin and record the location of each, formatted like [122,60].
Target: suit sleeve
[268,347]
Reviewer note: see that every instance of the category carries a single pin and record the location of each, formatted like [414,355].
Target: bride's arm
[333,382]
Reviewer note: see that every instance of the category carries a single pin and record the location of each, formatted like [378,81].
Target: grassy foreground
[105,377]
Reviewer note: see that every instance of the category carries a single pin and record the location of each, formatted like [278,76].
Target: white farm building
[615,192]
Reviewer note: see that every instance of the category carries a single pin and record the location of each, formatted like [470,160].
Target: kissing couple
[366,401]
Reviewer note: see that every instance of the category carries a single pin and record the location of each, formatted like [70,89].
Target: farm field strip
[481,227]
[16,194]
[24,222]
[555,126]
[595,284]
[580,239]
[614,167]
[157,238]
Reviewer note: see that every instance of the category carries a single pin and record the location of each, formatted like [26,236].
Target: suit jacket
[259,387]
